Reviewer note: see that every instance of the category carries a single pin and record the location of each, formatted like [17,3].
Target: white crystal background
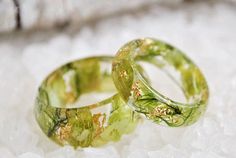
[205,31]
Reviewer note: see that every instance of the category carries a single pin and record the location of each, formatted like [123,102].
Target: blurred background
[36,36]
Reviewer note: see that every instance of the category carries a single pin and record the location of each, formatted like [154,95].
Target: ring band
[135,90]
[91,125]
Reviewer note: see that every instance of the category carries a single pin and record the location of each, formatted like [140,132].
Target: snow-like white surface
[205,32]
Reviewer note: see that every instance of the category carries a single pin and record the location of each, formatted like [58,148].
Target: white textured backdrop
[41,14]
[205,31]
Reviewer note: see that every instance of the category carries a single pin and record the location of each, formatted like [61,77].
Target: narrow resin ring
[135,90]
[90,125]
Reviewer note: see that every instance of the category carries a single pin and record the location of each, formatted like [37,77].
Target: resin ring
[90,125]
[135,90]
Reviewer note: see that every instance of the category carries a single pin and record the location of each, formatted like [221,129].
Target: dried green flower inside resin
[136,91]
[91,125]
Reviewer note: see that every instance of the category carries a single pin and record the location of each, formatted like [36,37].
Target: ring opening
[162,82]
[80,83]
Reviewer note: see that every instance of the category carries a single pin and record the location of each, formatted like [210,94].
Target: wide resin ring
[90,125]
[135,90]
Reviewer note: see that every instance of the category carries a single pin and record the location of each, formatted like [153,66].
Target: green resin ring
[90,125]
[144,99]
